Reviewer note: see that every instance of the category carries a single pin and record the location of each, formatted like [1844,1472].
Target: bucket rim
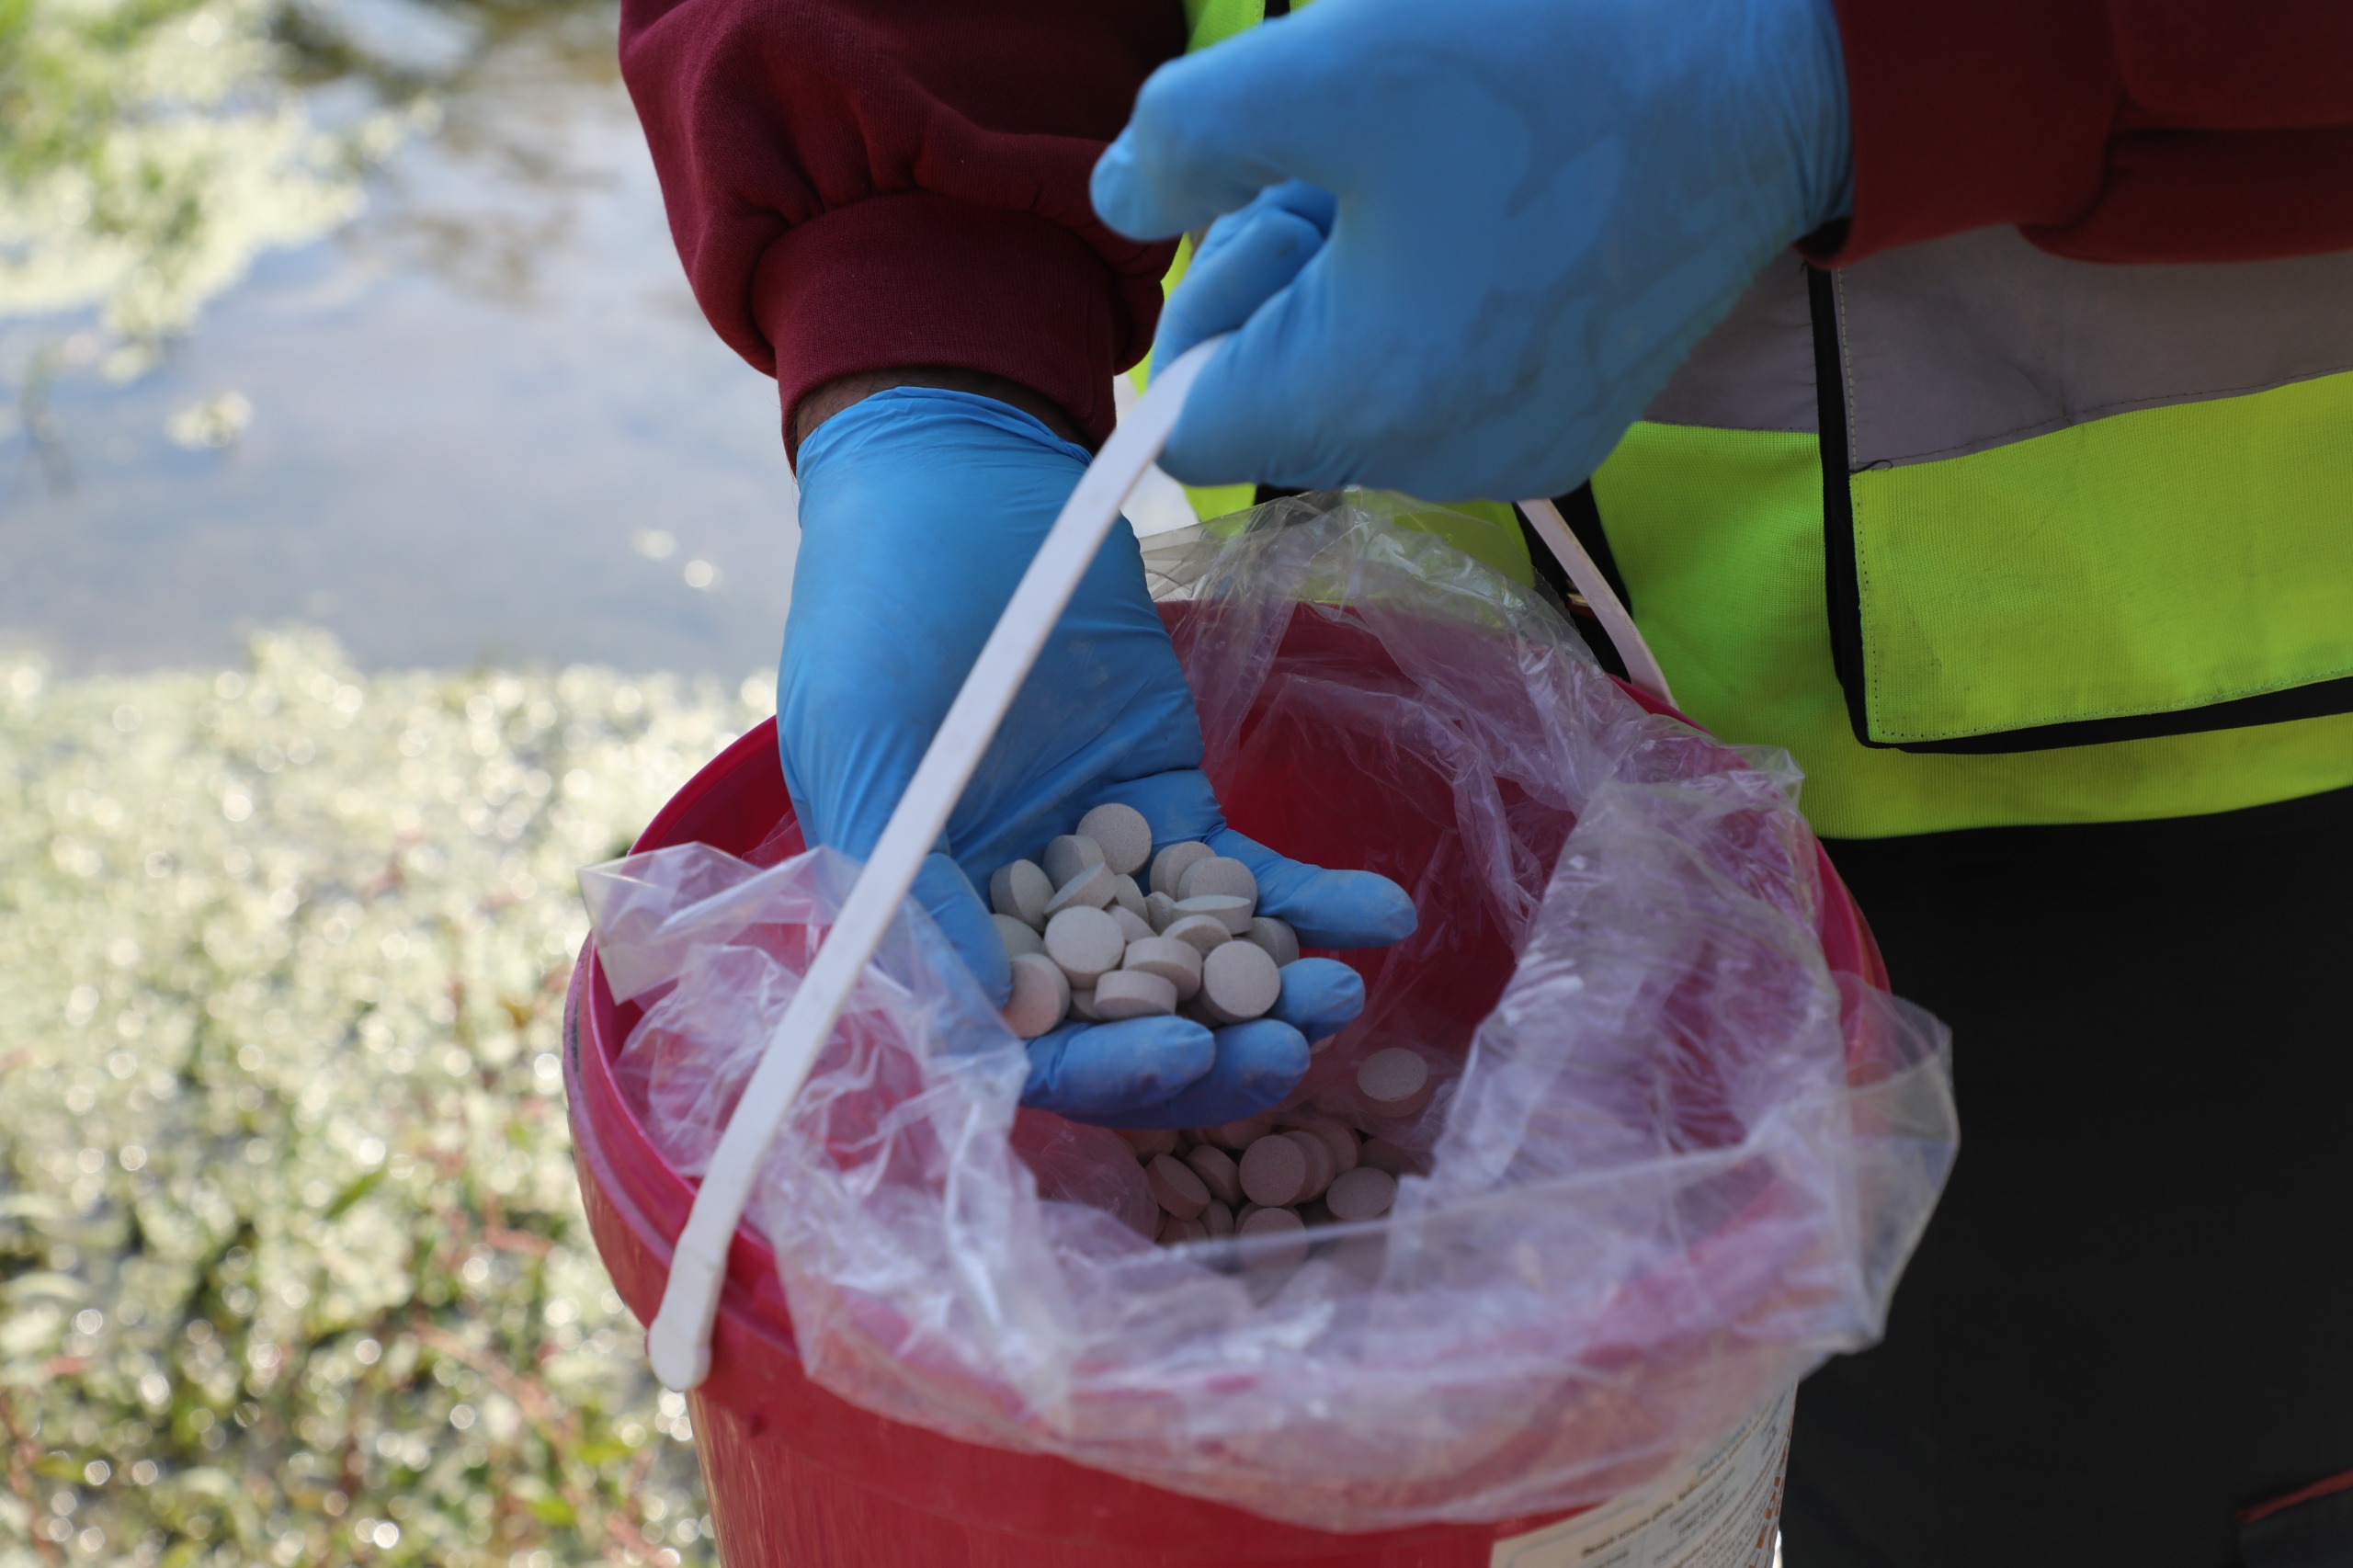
[642,1179]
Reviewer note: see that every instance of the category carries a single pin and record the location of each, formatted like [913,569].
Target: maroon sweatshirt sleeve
[2121,130]
[863,187]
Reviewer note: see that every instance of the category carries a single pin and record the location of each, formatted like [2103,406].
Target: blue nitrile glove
[1468,242]
[919,511]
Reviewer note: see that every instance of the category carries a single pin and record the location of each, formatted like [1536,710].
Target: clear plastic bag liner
[1673,1162]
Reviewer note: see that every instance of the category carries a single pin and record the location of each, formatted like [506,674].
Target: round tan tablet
[1176,1232]
[1270,1220]
[1088,944]
[1245,1212]
[1363,1193]
[1131,993]
[1169,866]
[1232,912]
[1318,1047]
[1384,1155]
[1320,1167]
[1270,1227]
[1129,897]
[1017,935]
[1274,1171]
[1275,936]
[1149,1141]
[1179,963]
[1218,1171]
[1394,1081]
[1091,889]
[1360,1194]
[1082,1005]
[1239,1135]
[1218,875]
[1239,983]
[1120,833]
[1175,1187]
[1340,1139]
[1040,996]
[1161,910]
[1069,855]
[1133,927]
[1021,891]
[1205,934]
[1218,1220]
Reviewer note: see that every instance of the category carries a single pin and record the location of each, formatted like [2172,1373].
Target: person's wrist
[822,402]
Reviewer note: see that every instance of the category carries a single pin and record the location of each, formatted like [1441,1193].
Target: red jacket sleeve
[2123,130]
[903,182]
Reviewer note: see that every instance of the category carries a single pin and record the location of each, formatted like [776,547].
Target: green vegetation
[149,152]
[151,149]
[293,1268]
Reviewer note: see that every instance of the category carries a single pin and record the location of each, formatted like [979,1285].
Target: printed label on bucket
[1721,1512]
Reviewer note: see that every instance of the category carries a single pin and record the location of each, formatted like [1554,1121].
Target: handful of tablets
[1285,1172]
[1088,941]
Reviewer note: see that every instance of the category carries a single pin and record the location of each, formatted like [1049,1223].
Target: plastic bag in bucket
[1674,1162]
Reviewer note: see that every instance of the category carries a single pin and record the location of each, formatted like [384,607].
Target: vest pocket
[2158,572]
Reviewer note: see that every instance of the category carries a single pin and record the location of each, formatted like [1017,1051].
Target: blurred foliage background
[293,1268]
[152,148]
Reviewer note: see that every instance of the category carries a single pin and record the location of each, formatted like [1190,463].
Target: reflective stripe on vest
[2077,503]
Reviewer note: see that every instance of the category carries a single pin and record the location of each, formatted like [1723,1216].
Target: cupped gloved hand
[919,511]
[1468,243]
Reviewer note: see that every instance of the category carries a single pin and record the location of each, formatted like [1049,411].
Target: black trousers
[2132,1315]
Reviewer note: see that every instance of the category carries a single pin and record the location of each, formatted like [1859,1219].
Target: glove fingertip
[1347,909]
[1327,908]
[1319,996]
[1211,443]
[1102,1071]
[1388,914]
[1177,164]
[1249,257]
[1259,1064]
[1116,192]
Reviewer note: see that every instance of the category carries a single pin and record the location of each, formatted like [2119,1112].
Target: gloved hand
[1468,242]
[919,511]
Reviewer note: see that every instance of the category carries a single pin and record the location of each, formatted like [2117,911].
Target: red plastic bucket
[798,1478]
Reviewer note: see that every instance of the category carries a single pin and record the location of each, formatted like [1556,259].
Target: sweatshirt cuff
[916,279]
[1966,116]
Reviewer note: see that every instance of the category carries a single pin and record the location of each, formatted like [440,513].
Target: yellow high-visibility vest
[1985,537]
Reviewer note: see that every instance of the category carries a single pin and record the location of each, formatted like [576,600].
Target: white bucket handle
[1643,671]
[678,1343]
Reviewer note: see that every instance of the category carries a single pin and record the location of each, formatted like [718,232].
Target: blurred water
[484,422]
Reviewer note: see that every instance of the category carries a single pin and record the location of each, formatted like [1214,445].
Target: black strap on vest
[1579,510]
